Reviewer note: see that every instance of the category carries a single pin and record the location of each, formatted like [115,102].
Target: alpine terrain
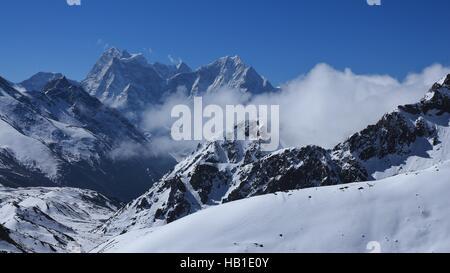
[412,138]
[71,152]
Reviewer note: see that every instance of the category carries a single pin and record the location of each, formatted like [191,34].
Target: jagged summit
[124,81]
[237,60]
[228,72]
[436,99]
[114,52]
[118,55]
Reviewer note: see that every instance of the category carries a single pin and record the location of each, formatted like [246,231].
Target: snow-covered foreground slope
[51,219]
[406,213]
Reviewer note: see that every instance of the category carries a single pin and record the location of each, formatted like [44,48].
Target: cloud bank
[322,107]
[326,106]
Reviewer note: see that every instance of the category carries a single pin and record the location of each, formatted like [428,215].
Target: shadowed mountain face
[414,137]
[130,84]
[39,80]
[63,136]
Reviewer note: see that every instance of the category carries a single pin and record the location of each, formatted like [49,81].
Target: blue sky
[281,39]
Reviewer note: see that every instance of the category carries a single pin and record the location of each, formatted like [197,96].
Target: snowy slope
[51,219]
[405,213]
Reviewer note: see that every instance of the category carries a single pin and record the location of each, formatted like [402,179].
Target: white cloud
[73,2]
[326,106]
[323,107]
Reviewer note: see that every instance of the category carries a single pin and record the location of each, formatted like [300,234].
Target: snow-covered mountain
[412,138]
[63,136]
[226,72]
[39,80]
[124,81]
[405,213]
[129,83]
[54,133]
[47,220]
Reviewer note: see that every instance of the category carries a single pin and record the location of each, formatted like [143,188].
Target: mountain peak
[114,52]
[59,84]
[234,60]
[39,80]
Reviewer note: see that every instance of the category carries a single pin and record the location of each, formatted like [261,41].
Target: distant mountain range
[60,133]
[130,84]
